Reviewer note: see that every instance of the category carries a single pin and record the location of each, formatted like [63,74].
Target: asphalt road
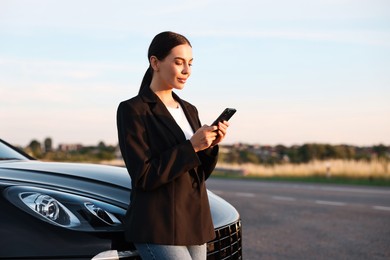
[309,221]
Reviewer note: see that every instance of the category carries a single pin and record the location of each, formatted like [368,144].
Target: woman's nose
[186,69]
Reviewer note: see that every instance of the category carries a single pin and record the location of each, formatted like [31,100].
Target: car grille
[227,244]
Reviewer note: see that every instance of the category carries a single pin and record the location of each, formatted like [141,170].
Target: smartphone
[225,115]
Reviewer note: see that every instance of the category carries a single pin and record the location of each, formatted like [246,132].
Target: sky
[303,71]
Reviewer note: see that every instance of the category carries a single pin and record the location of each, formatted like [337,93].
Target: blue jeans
[169,252]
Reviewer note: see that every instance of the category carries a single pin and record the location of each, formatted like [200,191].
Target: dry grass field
[339,171]
[330,168]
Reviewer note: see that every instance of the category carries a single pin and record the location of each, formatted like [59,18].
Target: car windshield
[8,153]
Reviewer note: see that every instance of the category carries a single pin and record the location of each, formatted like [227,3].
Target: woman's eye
[181,63]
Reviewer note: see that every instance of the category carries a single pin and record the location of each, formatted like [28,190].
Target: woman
[168,155]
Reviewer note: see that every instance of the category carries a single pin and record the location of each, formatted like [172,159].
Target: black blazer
[169,203]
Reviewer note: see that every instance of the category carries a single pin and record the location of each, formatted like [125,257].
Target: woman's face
[175,69]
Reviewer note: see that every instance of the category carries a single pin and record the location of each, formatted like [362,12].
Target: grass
[374,173]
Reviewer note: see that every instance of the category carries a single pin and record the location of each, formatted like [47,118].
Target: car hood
[95,172]
[108,183]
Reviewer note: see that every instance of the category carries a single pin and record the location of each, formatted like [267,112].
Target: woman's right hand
[204,137]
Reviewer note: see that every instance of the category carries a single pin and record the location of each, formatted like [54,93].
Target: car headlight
[49,208]
[103,215]
[44,205]
[66,210]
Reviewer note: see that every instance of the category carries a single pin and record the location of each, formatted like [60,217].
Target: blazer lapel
[191,117]
[158,108]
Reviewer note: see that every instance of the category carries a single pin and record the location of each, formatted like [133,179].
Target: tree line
[237,153]
[241,153]
[78,153]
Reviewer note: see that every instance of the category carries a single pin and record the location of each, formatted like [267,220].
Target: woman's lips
[182,80]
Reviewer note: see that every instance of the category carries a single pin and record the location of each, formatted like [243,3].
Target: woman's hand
[207,136]
[222,130]
[204,137]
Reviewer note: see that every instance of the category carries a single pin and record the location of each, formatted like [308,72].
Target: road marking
[283,198]
[356,190]
[331,203]
[245,194]
[381,208]
[219,192]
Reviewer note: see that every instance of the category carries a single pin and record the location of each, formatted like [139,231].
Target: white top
[181,120]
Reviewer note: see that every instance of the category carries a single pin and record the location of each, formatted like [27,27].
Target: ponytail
[147,79]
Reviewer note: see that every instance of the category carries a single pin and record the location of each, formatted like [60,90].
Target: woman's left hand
[222,130]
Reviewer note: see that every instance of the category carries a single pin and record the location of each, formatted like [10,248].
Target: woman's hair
[160,47]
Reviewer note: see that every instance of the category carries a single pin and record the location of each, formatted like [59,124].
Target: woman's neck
[165,96]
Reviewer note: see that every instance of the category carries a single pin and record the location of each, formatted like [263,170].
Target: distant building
[69,147]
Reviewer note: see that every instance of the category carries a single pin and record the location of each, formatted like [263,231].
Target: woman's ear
[154,63]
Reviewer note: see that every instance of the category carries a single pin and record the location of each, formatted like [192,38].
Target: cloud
[40,81]
[76,69]
[123,15]
[351,37]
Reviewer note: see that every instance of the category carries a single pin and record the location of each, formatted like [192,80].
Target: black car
[51,210]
